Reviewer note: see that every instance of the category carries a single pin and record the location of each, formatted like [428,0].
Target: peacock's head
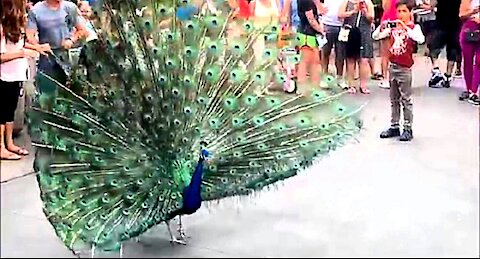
[204,152]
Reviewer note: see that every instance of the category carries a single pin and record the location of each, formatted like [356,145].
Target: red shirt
[401,47]
[244,7]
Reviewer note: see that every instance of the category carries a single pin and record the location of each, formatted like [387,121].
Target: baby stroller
[286,62]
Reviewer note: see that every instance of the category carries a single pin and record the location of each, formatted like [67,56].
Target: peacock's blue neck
[196,181]
[192,194]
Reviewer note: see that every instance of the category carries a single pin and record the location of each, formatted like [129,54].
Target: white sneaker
[342,84]
[384,84]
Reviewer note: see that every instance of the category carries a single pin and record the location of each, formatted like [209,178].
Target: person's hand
[402,24]
[44,49]
[350,13]
[30,53]
[67,44]
[323,10]
[476,10]
[363,7]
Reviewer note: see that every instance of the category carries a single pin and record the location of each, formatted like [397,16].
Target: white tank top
[264,15]
[14,70]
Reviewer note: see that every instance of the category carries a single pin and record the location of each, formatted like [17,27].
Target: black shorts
[450,40]
[9,93]
[428,28]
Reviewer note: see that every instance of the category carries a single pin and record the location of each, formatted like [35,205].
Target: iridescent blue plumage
[186,12]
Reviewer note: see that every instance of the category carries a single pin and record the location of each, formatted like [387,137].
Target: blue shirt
[53,26]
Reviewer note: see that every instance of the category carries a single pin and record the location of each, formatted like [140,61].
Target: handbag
[472,36]
[345,30]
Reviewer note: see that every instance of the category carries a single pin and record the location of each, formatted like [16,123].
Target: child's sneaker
[384,84]
[390,133]
[342,84]
[474,99]
[464,96]
[407,135]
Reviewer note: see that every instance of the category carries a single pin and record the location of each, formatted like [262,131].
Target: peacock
[171,111]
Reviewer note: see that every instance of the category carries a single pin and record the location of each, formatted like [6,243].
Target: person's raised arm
[386,4]
[370,12]
[416,34]
[381,32]
[32,28]
[80,31]
[286,12]
[342,11]
[466,11]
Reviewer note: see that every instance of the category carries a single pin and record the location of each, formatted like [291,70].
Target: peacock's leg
[173,239]
[121,250]
[181,230]
[92,251]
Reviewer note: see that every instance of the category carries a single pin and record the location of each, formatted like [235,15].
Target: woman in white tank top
[266,12]
[13,72]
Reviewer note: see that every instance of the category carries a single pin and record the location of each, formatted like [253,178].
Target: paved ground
[374,198]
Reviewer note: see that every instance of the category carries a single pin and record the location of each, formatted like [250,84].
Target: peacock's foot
[177,241]
[182,234]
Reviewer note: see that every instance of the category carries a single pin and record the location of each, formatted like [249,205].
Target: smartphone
[391,25]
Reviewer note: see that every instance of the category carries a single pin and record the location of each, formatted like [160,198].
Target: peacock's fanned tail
[114,157]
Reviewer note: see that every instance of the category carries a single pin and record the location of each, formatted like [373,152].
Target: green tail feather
[113,159]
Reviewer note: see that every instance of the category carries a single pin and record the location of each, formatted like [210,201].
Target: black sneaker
[390,133]
[474,99]
[458,72]
[407,135]
[464,96]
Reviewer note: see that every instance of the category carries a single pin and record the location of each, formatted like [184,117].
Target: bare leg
[173,239]
[363,70]
[5,154]
[9,140]
[350,74]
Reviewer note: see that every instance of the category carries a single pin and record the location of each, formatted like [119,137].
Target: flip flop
[12,157]
[364,90]
[20,151]
[352,90]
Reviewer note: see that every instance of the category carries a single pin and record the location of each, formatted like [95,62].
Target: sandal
[352,90]
[364,90]
[377,76]
[20,151]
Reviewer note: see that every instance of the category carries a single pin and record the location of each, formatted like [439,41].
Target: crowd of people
[344,29]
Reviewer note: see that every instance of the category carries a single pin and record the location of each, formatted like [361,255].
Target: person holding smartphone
[401,35]
[358,16]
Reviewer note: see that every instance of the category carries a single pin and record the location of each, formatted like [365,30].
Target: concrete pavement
[373,198]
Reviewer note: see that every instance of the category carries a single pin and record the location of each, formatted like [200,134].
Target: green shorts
[306,40]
